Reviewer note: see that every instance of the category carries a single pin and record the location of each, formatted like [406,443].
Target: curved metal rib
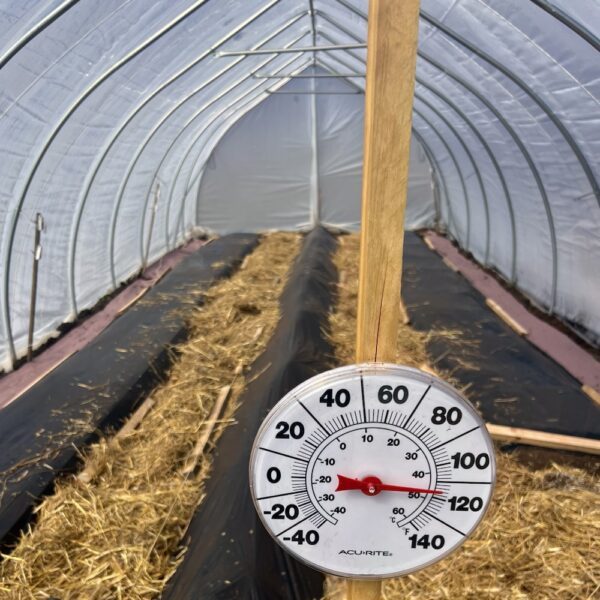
[475,169]
[526,155]
[202,131]
[565,19]
[105,150]
[32,33]
[457,167]
[444,98]
[528,90]
[435,167]
[14,215]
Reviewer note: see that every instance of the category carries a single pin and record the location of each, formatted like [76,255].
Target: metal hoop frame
[548,7]
[102,155]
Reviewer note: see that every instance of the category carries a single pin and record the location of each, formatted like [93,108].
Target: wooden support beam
[391,62]
[502,314]
[532,437]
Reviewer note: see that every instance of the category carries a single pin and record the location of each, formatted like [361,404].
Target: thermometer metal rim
[322,380]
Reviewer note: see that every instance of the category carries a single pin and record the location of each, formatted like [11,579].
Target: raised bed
[42,432]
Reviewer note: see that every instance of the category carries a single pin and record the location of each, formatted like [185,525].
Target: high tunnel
[131,126]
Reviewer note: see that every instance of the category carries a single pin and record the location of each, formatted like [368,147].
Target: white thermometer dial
[372,471]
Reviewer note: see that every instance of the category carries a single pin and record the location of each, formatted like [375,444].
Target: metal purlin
[526,155]
[569,22]
[238,113]
[190,121]
[494,161]
[514,78]
[178,171]
[352,35]
[436,172]
[148,139]
[516,139]
[456,166]
[448,149]
[434,164]
[103,153]
[315,208]
[32,33]
[205,127]
[527,89]
[475,169]
[14,215]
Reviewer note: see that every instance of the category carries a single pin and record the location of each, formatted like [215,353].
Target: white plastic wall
[101,102]
[259,177]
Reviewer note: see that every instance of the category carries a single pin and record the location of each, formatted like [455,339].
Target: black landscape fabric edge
[41,432]
[509,380]
[230,556]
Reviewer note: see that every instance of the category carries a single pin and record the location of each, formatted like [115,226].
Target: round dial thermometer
[372,470]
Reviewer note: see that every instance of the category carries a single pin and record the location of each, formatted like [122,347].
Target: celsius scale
[372,471]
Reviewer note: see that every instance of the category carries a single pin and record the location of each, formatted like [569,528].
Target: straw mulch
[118,536]
[541,537]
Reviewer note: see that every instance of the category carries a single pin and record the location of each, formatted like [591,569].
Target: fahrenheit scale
[372,470]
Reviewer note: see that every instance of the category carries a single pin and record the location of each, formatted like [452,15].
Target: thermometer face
[372,471]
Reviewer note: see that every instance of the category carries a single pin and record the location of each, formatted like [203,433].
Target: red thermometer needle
[371,486]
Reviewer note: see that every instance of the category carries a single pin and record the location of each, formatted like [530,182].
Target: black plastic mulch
[230,555]
[510,381]
[42,431]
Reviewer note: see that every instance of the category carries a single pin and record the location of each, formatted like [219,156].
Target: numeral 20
[285,430]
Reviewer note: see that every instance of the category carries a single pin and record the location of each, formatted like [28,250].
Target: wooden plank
[207,429]
[450,265]
[592,393]
[500,312]
[391,62]
[133,300]
[92,469]
[364,590]
[531,437]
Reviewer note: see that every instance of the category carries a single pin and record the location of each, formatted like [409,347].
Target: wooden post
[391,62]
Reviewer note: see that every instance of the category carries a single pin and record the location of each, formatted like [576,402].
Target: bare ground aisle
[541,538]
[118,535]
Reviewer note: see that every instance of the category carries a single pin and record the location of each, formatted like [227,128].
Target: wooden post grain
[391,62]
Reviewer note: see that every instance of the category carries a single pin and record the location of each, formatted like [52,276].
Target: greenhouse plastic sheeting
[277,163]
[110,112]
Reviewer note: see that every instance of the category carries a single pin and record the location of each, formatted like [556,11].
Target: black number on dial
[462,503]
[452,416]
[273,475]
[290,511]
[285,430]
[311,537]
[468,460]
[341,398]
[436,542]
[398,394]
